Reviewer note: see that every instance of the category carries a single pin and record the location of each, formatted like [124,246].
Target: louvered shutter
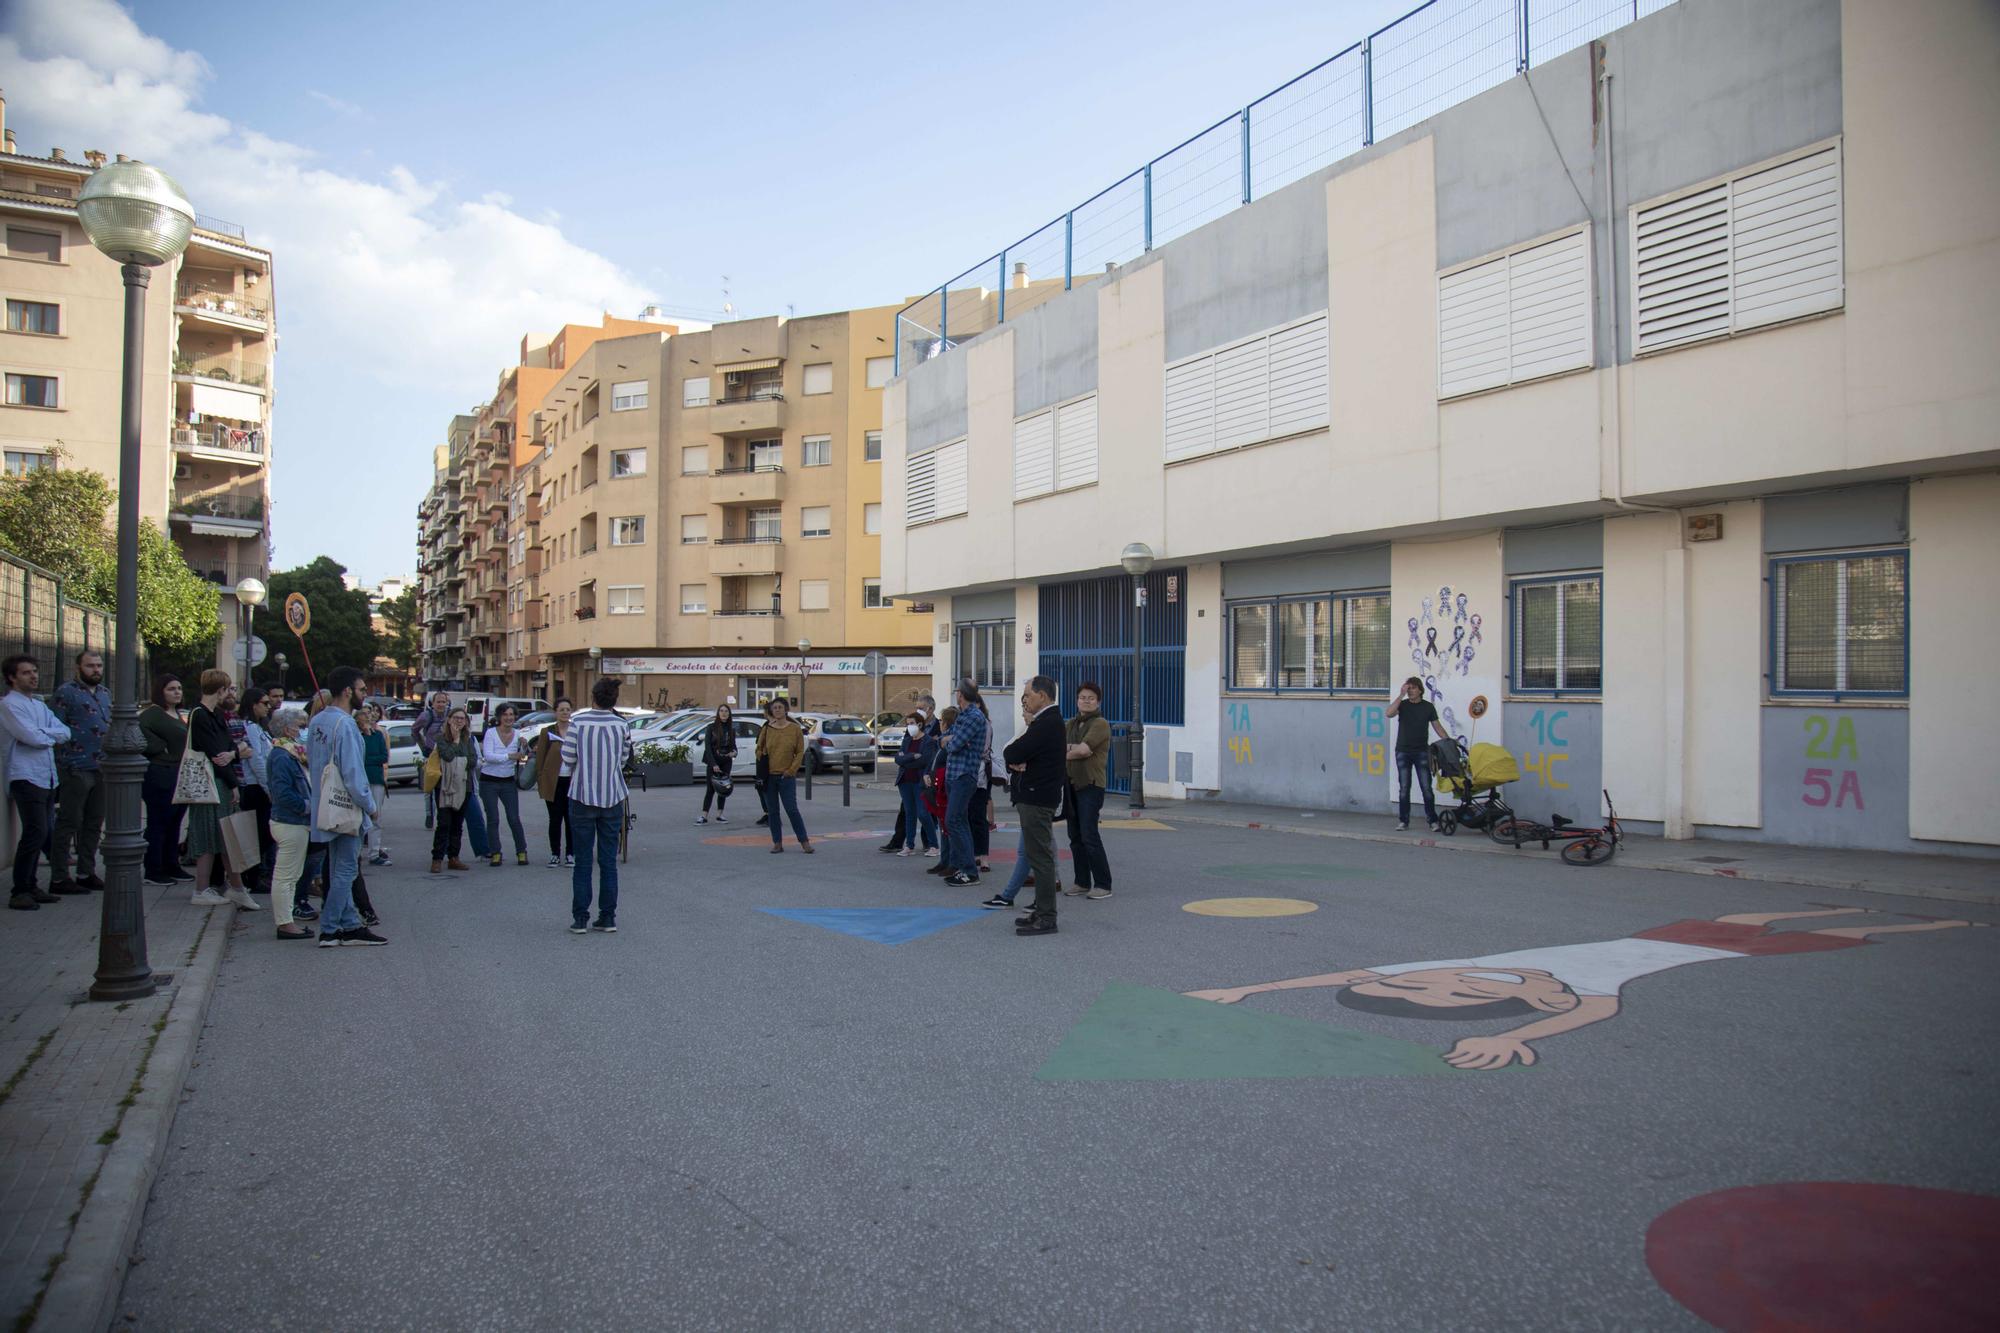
[951,491]
[1680,265]
[1242,394]
[1472,328]
[1548,308]
[1785,225]
[1298,378]
[1190,415]
[1076,443]
[920,489]
[1034,455]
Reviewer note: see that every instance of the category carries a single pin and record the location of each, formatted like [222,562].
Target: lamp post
[596,661]
[249,596]
[805,646]
[1138,560]
[282,666]
[137,216]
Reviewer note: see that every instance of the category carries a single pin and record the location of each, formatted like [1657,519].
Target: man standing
[29,733]
[1036,757]
[1415,717]
[595,751]
[964,769]
[84,706]
[332,738]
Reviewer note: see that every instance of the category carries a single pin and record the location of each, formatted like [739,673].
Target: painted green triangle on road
[1139,1032]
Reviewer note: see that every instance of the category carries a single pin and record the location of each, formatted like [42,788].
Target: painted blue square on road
[884,925]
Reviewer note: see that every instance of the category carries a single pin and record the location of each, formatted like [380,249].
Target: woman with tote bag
[207,778]
[456,755]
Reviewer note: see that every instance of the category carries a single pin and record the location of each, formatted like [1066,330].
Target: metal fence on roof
[1433,57]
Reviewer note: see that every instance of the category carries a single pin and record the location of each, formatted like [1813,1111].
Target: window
[1757,248]
[694,461]
[1515,317]
[23,243]
[871,595]
[694,599]
[1559,634]
[628,531]
[34,317]
[818,451]
[694,391]
[22,461]
[986,653]
[1327,643]
[871,447]
[812,595]
[1056,450]
[871,518]
[819,378]
[627,462]
[767,455]
[881,369]
[816,521]
[767,525]
[31,390]
[629,396]
[1262,388]
[628,599]
[694,529]
[936,484]
[1840,624]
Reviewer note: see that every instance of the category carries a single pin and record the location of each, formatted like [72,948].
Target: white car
[406,762]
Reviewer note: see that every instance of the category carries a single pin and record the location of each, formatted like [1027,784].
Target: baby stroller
[1476,780]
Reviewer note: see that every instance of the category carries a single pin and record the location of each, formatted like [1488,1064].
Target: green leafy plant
[652,752]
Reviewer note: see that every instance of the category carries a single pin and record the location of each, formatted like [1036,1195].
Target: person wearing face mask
[925,710]
[914,758]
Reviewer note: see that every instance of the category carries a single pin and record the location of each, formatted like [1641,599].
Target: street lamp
[283,665]
[805,646]
[249,596]
[137,216]
[596,664]
[1138,560]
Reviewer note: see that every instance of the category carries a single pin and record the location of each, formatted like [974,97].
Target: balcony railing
[753,394]
[222,303]
[747,541]
[745,615]
[218,506]
[744,469]
[250,441]
[230,371]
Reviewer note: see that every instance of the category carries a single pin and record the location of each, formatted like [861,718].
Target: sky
[438,179]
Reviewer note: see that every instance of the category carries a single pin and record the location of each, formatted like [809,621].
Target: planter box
[667,775]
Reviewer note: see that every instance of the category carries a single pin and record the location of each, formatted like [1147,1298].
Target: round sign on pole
[255,646]
[876,664]
[298,614]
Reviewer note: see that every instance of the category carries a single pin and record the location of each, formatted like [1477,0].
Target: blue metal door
[1086,635]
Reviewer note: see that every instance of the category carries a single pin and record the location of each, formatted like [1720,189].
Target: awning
[737,367]
[206,528]
[236,404]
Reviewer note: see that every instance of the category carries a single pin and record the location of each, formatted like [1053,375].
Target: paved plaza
[821,1092]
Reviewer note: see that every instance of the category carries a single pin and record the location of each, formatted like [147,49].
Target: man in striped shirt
[595,751]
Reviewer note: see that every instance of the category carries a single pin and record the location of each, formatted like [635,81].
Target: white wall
[1636,665]
[1725,672]
[1204,675]
[1954,642]
[1470,566]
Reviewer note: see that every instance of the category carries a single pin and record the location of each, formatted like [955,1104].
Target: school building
[1646,404]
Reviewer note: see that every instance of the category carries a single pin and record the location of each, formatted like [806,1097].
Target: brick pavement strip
[90,1093]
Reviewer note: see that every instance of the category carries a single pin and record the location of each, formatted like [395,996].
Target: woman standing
[501,754]
[291,818]
[782,746]
[937,793]
[913,759]
[1089,741]
[718,756]
[165,731]
[375,762]
[209,735]
[257,790]
[552,783]
[457,757]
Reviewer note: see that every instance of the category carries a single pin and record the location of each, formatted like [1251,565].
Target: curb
[1481,843]
[85,1291]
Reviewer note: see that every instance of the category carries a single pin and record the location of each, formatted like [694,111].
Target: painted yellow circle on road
[1250,907]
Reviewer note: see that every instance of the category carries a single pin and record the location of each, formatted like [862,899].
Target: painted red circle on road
[1830,1255]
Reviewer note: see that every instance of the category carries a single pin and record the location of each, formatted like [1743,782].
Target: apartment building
[1642,406]
[710,502]
[208,373]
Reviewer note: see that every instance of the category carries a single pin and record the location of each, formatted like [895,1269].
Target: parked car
[832,738]
[535,723]
[481,707]
[652,728]
[405,760]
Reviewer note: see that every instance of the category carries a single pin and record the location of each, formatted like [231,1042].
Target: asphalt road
[722,1117]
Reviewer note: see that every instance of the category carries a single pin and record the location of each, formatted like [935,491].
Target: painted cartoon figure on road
[1569,986]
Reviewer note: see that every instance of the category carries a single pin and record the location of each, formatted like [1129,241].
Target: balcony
[218,514]
[232,371]
[221,309]
[751,412]
[746,555]
[221,444]
[747,629]
[746,484]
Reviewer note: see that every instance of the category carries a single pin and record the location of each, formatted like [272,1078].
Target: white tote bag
[338,813]
[194,783]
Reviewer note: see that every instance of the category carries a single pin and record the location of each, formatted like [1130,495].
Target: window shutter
[951,494]
[1076,443]
[1472,328]
[1242,394]
[920,489]
[1298,378]
[1034,455]
[1190,417]
[1548,308]
[1680,270]
[1785,228]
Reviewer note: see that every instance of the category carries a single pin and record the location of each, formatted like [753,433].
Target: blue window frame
[1318,643]
[1840,625]
[1557,634]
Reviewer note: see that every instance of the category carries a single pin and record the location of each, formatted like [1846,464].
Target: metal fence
[1433,57]
[38,619]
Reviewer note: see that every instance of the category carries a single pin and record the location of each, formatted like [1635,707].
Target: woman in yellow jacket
[781,748]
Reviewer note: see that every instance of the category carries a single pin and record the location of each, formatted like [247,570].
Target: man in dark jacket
[1036,758]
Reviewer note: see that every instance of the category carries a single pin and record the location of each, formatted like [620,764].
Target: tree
[342,633]
[179,610]
[400,614]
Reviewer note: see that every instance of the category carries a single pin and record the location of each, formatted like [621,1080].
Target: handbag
[525,776]
[194,784]
[240,848]
[433,772]
[338,814]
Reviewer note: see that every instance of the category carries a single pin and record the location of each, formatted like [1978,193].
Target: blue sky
[438,179]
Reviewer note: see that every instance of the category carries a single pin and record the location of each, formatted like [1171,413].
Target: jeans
[498,794]
[79,822]
[982,836]
[1086,838]
[1038,832]
[371,837]
[783,790]
[35,805]
[163,823]
[595,827]
[475,827]
[1020,875]
[1420,761]
[916,815]
[958,824]
[559,819]
[343,853]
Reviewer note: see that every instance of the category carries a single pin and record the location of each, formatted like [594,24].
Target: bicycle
[1582,846]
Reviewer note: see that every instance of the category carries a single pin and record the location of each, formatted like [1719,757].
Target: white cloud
[333,103]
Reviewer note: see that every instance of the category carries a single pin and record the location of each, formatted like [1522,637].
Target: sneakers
[939,869]
[1433,823]
[605,927]
[369,918]
[722,819]
[359,935]
[569,860]
[379,859]
[777,847]
[1098,894]
[244,902]
[24,902]
[907,851]
[1036,925]
[579,927]
[1403,825]
[806,847]
[1076,890]
[961,880]
[494,859]
[930,851]
[66,887]
[701,819]
[91,882]
[555,863]
[207,898]
[157,883]
[304,911]
[893,848]
[995,903]
[520,858]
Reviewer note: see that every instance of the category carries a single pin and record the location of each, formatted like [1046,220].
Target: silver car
[833,739]
[405,760]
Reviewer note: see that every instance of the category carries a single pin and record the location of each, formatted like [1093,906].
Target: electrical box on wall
[944,631]
[1702,527]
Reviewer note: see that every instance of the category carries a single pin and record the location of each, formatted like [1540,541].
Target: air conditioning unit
[183,471]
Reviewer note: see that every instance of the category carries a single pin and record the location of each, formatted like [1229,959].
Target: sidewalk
[88,1097]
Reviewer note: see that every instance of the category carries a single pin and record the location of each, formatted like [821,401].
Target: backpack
[1447,761]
